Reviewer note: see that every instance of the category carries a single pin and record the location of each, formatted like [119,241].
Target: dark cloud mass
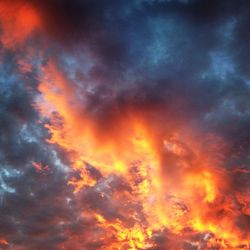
[181,66]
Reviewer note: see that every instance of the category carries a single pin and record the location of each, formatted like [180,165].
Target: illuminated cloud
[124,125]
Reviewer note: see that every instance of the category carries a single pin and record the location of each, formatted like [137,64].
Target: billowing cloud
[124,124]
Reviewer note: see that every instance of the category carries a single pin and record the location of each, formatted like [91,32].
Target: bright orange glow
[4,242]
[180,187]
[18,21]
[126,238]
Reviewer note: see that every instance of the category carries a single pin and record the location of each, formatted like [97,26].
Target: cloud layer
[78,78]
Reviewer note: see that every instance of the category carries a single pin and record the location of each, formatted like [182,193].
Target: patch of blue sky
[221,66]
[161,43]
[73,63]
[226,30]
[247,81]
[26,134]
[221,60]
[7,79]
[227,107]
[165,45]
[8,173]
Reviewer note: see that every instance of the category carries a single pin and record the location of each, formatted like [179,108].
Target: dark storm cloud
[36,207]
[165,51]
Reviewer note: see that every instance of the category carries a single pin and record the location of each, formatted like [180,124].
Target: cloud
[79,79]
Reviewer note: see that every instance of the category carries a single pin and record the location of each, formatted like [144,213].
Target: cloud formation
[124,124]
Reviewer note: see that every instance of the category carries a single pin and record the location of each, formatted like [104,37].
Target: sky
[124,124]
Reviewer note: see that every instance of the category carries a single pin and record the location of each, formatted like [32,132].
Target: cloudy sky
[124,124]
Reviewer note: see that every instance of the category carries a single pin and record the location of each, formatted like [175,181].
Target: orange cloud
[177,181]
[18,21]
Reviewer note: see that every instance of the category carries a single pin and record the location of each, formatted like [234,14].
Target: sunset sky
[124,124]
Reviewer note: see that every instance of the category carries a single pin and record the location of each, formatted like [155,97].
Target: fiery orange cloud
[3,242]
[18,21]
[142,177]
[177,182]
